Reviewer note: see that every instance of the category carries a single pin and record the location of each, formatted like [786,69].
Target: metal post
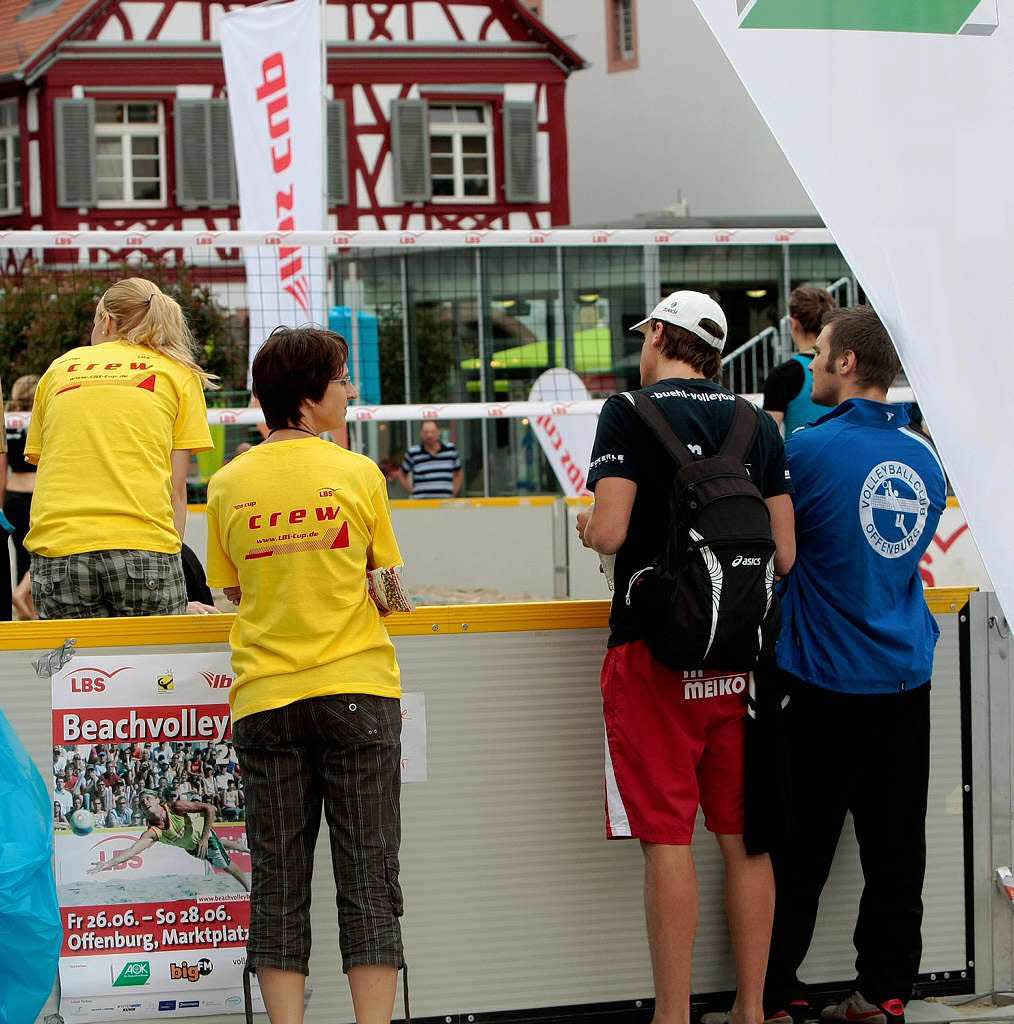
[480,299]
[560,357]
[652,277]
[353,294]
[406,345]
[786,279]
[566,334]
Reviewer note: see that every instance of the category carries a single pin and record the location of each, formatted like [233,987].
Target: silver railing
[747,367]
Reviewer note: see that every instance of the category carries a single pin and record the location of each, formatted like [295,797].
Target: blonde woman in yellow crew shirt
[112,432]
[293,527]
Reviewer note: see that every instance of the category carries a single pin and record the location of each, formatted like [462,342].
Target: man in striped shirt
[431,469]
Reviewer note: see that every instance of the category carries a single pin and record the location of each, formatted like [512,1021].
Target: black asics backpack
[708,600]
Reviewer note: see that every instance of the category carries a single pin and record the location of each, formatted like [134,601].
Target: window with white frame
[130,153]
[461,152]
[10,158]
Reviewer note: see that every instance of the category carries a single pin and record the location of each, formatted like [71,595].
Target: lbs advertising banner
[274,73]
[155,920]
[898,118]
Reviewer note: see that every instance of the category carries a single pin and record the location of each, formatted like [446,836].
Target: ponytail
[148,317]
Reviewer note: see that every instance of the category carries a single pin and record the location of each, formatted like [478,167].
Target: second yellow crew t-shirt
[105,422]
[296,524]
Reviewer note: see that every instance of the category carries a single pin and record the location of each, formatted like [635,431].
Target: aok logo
[134,972]
[190,972]
[92,680]
[218,680]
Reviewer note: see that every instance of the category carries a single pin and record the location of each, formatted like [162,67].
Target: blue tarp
[30,929]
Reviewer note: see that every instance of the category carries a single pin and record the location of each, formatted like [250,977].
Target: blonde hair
[144,315]
[23,393]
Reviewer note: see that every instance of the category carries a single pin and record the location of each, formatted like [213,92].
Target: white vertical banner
[898,118]
[566,440]
[275,77]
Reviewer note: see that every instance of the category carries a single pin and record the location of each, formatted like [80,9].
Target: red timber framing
[108,50]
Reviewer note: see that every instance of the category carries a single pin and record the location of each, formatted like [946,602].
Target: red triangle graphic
[342,540]
[148,383]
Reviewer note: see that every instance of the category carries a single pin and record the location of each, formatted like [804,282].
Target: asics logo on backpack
[743,560]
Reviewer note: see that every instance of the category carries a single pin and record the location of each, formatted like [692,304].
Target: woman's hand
[233,594]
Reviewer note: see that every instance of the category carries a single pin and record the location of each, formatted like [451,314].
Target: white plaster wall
[682,120]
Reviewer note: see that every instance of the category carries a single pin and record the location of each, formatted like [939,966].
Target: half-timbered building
[440,114]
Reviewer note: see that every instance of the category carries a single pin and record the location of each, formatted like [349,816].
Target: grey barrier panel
[513,897]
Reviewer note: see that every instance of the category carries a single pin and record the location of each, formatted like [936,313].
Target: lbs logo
[92,680]
[190,972]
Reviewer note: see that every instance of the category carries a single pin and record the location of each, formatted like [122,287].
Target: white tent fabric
[899,122]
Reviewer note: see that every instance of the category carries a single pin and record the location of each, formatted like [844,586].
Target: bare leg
[750,906]
[283,994]
[670,909]
[373,990]
[234,844]
[239,875]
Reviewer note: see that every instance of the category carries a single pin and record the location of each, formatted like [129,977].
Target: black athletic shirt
[16,452]
[784,383]
[700,412]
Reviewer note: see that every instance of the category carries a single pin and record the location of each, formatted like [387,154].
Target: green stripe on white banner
[944,17]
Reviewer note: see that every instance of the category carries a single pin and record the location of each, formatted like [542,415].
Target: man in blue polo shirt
[856,647]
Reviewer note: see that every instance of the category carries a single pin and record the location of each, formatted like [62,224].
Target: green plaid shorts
[108,584]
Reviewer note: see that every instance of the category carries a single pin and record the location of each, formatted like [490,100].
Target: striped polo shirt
[432,475]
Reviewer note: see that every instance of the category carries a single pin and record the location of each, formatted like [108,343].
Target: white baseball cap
[688,309]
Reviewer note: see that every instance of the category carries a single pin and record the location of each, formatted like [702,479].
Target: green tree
[46,312]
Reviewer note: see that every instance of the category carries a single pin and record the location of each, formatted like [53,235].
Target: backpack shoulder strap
[742,433]
[655,419]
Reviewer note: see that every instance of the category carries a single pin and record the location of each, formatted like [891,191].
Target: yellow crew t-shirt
[296,525]
[105,422]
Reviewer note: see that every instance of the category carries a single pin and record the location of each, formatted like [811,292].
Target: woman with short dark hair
[294,525]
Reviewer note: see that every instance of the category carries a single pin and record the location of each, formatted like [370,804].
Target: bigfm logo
[218,680]
[190,972]
[135,972]
[92,680]
[893,505]
[164,683]
[942,17]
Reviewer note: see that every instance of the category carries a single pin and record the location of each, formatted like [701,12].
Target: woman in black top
[20,474]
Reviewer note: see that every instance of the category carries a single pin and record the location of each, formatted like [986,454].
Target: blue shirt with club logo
[869,494]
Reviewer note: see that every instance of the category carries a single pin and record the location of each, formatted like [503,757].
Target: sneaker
[799,1010]
[894,1010]
[854,1010]
[779,1017]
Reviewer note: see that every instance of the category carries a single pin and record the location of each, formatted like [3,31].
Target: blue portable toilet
[367,373]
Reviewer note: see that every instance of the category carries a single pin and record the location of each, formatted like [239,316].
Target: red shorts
[674,741]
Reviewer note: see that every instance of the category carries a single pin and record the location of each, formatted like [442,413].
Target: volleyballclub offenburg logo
[892,509]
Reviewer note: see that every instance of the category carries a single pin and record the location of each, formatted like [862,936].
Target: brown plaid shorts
[342,752]
[108,584]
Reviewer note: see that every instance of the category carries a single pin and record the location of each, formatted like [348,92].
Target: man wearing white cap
[675,738]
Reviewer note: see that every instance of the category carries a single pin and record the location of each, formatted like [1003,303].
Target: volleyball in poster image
[82,822]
